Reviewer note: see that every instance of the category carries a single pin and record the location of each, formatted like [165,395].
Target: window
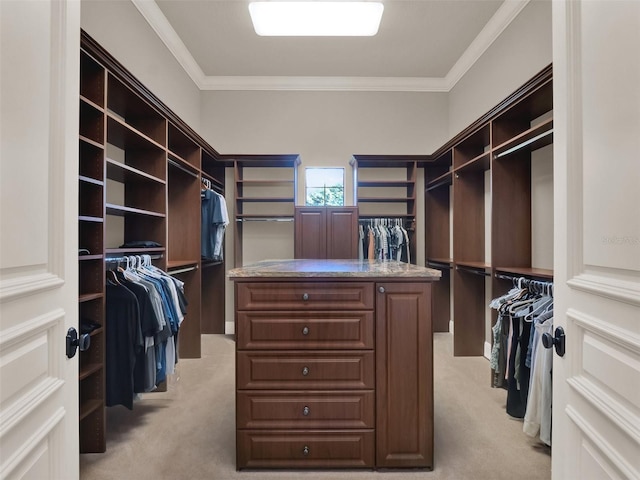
[324,186]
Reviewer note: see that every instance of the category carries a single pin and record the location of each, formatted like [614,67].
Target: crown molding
[492,30]
[497,24]
[159,23]
[332,84]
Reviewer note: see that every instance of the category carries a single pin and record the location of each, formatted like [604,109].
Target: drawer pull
[305,371]
[305,331]
[305,451]
[306,411]
[381,289]
[305,296]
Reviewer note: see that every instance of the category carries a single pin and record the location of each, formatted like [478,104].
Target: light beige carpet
[187,433]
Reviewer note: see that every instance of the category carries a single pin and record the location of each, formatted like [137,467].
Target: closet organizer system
[142,174]
[501,142]
[384,188]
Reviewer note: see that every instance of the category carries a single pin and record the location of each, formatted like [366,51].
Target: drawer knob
[305,296]
[381,289]
[305,450]
[305,331]
[305,371]
[306,411]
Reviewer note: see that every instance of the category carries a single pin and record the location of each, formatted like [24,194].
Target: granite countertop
[332,268]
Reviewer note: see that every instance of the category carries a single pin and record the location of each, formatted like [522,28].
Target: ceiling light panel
[316,19]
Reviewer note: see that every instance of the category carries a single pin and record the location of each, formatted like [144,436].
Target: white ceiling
[422,45]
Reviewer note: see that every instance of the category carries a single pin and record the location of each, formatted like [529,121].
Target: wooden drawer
[304,296]
[313,449]
[322,409]
[299,370]
[305,330]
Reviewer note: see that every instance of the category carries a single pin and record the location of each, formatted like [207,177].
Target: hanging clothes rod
[182,270]
[128,257]
[523,144]
[180,167]
[264,219]
[439,265]
[473,270]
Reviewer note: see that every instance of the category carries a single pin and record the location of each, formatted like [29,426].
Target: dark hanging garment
[122,341]
[518,373]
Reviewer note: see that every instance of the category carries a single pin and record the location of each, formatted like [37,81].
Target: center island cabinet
[334,364]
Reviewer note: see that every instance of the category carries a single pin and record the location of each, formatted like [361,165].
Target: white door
[39,61]
[596,401]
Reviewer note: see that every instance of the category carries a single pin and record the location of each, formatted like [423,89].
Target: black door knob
[74,342]
[557,341]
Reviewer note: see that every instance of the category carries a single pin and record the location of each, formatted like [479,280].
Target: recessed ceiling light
[311,18]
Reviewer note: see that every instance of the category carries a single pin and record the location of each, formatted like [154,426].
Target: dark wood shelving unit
[253,191]
[155,168]
[500,143]
[386,197]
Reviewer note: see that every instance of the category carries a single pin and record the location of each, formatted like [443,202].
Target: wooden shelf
[385,183]
[91,103]
[265,199]
[385,200]
[93,181]
[536,137]
[474,265]
[173,264]
[90,142]
[526,272]
[124,136]
[83,258]
[440,260]
[481,162]
[90,406]
[262,215]
[89,369]
[124,251]
[442,181]
[124,173]
[265,183]
[87,297]
[122,211]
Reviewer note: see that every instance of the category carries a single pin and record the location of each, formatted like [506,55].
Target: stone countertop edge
[303,268]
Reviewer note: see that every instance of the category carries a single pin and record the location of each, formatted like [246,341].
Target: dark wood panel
[342,233]
[404,376]
[189,344]
[302,330]
[304,296]
[438,222]
[313,449]
[310,239]
[468,217]
[469,312]
[293,410]
[300,370]
[511,217]
[212,319]
[441,302]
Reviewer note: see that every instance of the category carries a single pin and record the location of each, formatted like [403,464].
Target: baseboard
[487,350]
[229,328]
[450,326]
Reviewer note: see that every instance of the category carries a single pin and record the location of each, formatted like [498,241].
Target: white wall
[326,129]
[119,27]
[521,51]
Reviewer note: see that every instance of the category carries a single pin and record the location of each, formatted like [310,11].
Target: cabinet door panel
[404,375]
[342,233]
[313,449]
[305,330]
[310,232]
